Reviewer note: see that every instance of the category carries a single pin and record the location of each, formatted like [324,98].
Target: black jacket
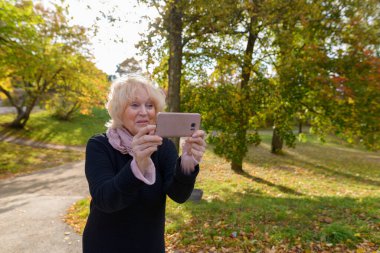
[127,215]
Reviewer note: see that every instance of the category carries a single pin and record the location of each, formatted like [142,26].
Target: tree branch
[9,96]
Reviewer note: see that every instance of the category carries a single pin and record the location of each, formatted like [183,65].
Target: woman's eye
[150,106]
[134,105]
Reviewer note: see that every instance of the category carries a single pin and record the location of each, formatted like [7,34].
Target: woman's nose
[143,110]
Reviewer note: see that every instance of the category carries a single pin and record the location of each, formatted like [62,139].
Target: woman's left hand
[195,145]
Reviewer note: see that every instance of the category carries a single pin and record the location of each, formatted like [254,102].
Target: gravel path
[32,207]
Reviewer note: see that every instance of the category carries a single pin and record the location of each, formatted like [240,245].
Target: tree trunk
[300,127]
[237,166]
[175,58]
[23,115]
[276,142]
[21,119]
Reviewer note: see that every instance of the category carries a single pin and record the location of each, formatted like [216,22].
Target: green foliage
[83,87]
[358,83]
[42,54]
[324,70]
[311,62]
[223,109]
[61,107]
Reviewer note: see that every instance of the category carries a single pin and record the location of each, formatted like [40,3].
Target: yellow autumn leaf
[360,250]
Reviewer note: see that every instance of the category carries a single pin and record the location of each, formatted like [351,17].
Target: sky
[106,45]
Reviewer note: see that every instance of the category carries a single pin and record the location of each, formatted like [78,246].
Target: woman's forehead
[140,94]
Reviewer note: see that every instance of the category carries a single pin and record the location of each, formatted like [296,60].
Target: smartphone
[177,124]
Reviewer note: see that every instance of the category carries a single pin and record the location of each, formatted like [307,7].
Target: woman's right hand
[144,143]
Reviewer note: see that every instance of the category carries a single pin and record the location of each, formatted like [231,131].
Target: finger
[186,146]
[147,139]
[197,140]
[187,149]
[197,151]
[198,155]
[151,138]
[199,133]
[145,130]
[195,146]
[198,147]
[144,146]
[146,152]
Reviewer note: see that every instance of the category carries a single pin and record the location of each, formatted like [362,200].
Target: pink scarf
[120,139]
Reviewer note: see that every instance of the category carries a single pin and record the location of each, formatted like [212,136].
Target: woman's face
[139,113]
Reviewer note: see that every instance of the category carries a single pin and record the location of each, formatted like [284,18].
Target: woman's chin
[140,126]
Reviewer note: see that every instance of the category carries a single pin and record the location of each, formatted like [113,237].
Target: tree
[172,25]
[82,87]
[201,21]
[267,59]
[128,66]
[16,30]
[36,52]
[231,42]
[310,49]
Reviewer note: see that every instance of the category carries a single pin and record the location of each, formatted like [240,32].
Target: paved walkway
[32,207]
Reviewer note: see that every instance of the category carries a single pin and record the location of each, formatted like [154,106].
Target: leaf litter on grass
[280,204]
[277,194]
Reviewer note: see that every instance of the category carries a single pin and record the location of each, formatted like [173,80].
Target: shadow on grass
[339,174]
[302,157]
[281,188]
[6,132]
[269,221]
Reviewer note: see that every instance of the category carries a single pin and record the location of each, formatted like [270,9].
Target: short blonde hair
[123,91]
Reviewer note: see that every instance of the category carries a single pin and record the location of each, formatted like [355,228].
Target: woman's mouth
[142,122]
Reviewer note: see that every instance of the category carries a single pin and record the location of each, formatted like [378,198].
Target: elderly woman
[130,171]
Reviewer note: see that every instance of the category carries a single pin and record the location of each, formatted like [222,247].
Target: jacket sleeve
[177,185]
[110,191]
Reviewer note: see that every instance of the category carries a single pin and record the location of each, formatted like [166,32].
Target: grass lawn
[315,198]
[42,127]
[17,159]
